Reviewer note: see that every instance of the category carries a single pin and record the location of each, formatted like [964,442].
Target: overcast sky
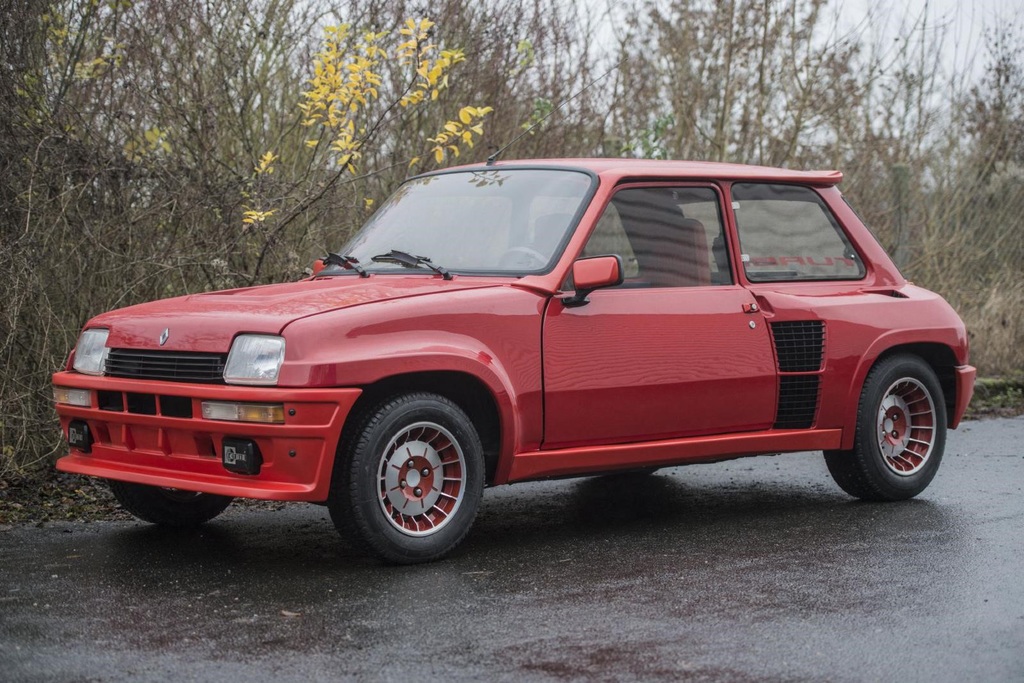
[964,22]
[961,22]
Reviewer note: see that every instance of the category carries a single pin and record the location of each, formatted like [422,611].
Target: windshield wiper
[346,261]
[411,261]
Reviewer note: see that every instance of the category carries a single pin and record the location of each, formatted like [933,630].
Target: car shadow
[641,514]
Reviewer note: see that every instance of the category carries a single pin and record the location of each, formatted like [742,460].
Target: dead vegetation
[129,132]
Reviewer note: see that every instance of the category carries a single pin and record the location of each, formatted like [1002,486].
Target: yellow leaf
[438,154]
[414,161]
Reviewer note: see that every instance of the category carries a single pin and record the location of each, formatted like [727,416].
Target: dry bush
[129,132]
[933,162]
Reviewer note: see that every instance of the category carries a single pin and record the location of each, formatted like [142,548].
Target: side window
[666,237]
[787,233]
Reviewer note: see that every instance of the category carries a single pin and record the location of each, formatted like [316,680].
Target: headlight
[254,359]
[91,352]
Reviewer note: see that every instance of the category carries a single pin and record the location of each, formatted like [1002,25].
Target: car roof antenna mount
[494,157]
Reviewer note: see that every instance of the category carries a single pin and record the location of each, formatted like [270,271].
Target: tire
[901,433]
[408,483]
[168,507]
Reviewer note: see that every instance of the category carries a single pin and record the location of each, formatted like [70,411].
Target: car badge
[164,335]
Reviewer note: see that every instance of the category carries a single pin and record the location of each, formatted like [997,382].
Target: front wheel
[408,484]
[901,433]
[168,507]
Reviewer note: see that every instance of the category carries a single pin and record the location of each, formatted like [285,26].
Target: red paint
[601,271]
[572,461]
[636,364]
[185,453]
[633,378]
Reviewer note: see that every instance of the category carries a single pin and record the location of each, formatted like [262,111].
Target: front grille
[798,401]
[167,366]
[799,345]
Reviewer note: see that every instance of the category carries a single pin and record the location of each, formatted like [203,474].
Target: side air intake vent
[798,401]
[799,345]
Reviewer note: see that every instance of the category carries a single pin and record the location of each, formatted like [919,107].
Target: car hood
[208,322]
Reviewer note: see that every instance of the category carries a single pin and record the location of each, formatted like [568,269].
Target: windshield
[487,222]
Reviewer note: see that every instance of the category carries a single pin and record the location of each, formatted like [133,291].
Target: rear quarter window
[787,233]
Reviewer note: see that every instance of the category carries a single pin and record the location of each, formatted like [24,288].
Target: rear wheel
[901,433]
[168,507]
[408,484]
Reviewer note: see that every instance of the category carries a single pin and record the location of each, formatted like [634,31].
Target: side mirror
[593,273]
[318,265]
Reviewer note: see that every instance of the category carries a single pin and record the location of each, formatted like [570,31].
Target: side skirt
[595,459]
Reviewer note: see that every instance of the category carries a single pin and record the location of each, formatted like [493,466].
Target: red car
[523,320]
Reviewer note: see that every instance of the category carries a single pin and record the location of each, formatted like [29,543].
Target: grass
[997,397]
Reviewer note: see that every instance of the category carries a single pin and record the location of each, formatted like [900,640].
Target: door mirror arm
[593,273]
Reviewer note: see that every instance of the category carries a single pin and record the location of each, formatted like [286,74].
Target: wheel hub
[411,478]
[895,425]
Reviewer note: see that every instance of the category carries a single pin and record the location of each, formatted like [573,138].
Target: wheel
[168,507]
[408,483]
[901,433]
[525,258]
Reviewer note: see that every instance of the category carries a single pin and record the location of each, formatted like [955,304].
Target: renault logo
[164,335]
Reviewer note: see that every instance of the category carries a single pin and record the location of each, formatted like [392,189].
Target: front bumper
[135,440]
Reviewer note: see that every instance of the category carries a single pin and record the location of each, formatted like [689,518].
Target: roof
[616,169]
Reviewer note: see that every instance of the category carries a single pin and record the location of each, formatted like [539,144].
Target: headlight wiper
[411,261]
[346,261]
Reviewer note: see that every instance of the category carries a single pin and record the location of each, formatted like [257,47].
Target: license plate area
[79,436]
[241,456]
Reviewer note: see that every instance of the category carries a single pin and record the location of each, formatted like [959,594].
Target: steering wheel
[522,257]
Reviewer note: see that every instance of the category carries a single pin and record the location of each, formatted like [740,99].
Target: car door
[677,350]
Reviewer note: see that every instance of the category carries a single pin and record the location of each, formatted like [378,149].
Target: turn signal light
[269,413]
[72,397]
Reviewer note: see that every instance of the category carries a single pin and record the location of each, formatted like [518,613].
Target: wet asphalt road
[757,569]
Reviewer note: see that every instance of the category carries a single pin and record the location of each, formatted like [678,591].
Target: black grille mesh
[799,345]
[798,401]
[167,366]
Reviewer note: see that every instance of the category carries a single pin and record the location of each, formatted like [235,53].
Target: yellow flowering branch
[347,100]
[457,133]
[347,81]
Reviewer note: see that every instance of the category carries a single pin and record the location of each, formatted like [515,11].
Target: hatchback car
[498,323]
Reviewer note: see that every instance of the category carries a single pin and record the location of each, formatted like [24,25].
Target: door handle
[751,308]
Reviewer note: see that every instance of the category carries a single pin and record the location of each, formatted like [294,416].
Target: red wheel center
[416,478]
[895,425]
